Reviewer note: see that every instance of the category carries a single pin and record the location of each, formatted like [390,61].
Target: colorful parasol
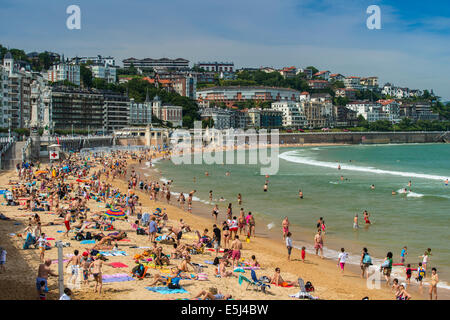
[115,213]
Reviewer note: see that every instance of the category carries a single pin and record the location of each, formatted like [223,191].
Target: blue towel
[117,279]
[87,241]
[165,290]
[209,262]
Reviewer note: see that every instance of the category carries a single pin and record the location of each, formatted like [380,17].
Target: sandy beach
[19,280]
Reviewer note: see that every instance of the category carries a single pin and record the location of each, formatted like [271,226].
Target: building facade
[157,64]
[318,114]
[106,72]
[216,66]
[293,114]
[167,113]
[232,94]
[63,71]
[140,113]
[80,108]
[116,111]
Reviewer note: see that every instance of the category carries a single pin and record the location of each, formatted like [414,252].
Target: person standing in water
[355,222]
[300,194]
[366,217]
[239,198]
[318,243]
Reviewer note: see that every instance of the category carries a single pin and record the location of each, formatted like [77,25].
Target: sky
[412,48]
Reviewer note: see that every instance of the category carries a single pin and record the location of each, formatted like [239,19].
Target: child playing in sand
[41,244]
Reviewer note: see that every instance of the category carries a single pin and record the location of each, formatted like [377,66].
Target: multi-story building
[353,83]
[63,71]
[157,64]
[105,61]
[400,93]
[232,94]
[270,118]
[140,113]
[369,83]
[318,84]
[167,113]
[288,72]
[221,118]
[186,86]
[336,77]
[116,111]
[325,75]
[344,117]
[239,119]
[293,114]
[107,72]
[319,114]
[254,117]
[216,66]
[346,93]
[16,93]
[391,108]
[307,72]
[371,111]
[77,108]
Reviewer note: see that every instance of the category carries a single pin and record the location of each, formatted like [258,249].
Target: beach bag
[88,236]
[367,259]
[79,236]
[309,287]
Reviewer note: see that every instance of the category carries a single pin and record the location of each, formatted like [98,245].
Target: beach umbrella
[115,213]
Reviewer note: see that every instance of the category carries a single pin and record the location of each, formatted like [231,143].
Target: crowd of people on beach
[67,188]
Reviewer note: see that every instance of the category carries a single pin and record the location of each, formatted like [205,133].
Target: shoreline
[275,235]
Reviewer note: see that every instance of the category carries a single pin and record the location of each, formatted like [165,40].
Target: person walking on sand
[318,243]
[342,259]
[96,267]
[365,263]
[236,247]
[285,225]
[289,245]
[43,272]
[434,282]
[75,263]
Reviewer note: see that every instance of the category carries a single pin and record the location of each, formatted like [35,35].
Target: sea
[418,218]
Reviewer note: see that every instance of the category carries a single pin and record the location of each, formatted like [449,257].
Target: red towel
[118,265]
[127,240]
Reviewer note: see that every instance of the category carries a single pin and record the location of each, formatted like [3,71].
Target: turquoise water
[418,219]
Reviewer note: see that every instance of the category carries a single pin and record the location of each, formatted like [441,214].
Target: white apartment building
[371,111]
[106,61]
[104,72]
[353,83]
[293,114]
[216,66]
[63,71]
[391,108]
[15,94]
[221,118]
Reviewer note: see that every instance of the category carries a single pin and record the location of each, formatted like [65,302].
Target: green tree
[85,76]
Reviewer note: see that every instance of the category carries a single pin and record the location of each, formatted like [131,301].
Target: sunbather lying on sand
[212,294]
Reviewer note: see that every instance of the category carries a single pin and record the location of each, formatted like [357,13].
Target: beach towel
[87,241]
[209,262]
[214,250]
[126,240]
[113,253]
[118,265]
[49,238]
[59,231]
[166,290]
[118,277]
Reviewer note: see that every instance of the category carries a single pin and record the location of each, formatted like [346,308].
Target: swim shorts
[318,246]
[38,284]
[67,224]
[236,254]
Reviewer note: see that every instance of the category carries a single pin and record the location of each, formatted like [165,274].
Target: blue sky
[412,48]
